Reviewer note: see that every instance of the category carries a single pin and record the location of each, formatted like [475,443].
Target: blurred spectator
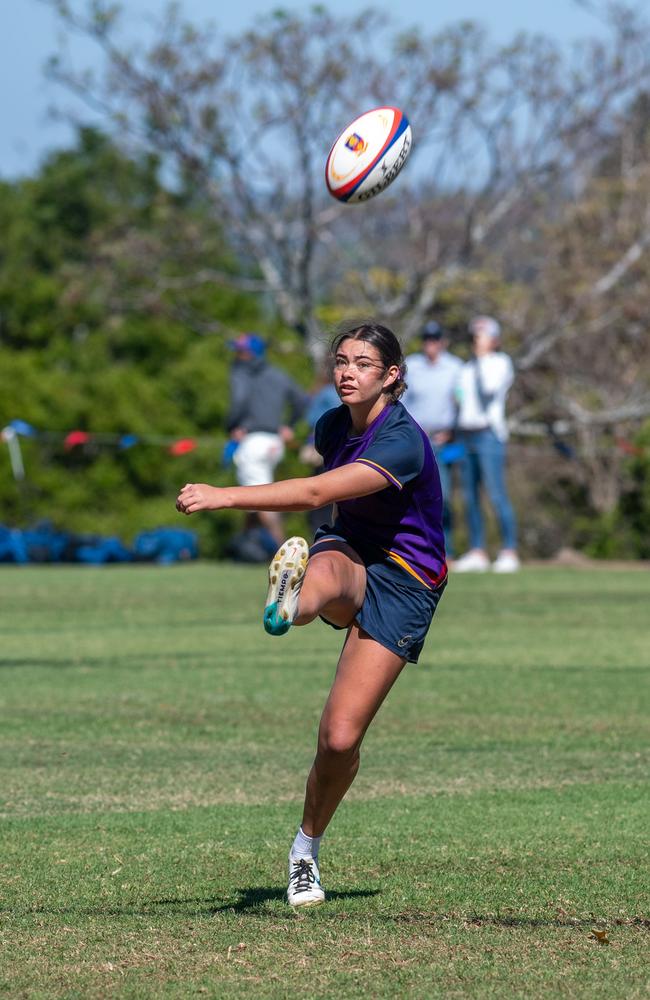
[265,404]
[482,390]
[432,375]
[324,397]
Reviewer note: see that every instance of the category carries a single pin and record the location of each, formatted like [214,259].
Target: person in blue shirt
[324,398]
[433,375]
[377,571]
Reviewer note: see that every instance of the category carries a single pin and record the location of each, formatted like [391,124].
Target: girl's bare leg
[365,674]
[334,586]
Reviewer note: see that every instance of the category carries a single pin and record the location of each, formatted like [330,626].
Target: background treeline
[68,361]
[194,207]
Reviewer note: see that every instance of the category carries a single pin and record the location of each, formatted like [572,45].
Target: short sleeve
[323,430]
[397,452]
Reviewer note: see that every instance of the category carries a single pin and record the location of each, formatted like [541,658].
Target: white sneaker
[304,883]
[472,562]
[506,562]
[286,574]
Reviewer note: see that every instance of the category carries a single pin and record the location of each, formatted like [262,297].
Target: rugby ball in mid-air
[368,155]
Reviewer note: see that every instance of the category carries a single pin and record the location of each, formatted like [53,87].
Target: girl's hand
[200,496]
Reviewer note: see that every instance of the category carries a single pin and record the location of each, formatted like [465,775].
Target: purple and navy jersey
[404,521]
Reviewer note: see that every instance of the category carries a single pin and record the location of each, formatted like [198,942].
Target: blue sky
[28,35]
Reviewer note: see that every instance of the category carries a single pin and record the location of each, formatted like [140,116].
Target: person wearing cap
[431,400]
[265,404]
[483,430]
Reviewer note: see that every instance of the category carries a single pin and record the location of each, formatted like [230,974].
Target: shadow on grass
[249,900]
[252,899]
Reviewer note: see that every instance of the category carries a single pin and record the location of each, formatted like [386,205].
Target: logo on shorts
[405,641]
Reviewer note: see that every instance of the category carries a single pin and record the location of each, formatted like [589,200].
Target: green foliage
[635,503]
[85,344]
[50,222]
[117,294]
[625,532]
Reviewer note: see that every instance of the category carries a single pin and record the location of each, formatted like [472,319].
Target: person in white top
[482,428]
[432,375]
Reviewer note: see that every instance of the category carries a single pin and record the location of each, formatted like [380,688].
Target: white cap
[487,324]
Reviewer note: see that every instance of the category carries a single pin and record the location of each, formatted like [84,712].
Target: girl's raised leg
[334,585]
[331,582]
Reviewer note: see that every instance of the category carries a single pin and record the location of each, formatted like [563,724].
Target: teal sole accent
[271,623]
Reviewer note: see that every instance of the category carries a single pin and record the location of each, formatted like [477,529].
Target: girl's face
[359,373]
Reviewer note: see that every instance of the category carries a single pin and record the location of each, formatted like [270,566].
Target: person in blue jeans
[482,390]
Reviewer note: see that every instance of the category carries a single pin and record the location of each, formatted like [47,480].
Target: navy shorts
[397,609]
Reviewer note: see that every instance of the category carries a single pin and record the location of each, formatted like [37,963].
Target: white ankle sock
[304,846]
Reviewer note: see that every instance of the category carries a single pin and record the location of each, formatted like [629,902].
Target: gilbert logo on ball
[368,155]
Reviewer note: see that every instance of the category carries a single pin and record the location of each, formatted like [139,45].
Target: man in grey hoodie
[265,404]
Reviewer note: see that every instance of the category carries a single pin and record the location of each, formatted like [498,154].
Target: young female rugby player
[378,571]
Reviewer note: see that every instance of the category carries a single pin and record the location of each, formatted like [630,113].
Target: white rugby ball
[368,155]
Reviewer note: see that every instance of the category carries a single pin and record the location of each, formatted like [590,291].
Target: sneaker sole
[285,574]
[306,906]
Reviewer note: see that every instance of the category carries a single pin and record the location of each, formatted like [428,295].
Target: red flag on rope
[75,438]
[183,446]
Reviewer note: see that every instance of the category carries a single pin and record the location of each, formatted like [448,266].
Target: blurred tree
[502,133]
[527,197]
[85,345]
[584,364]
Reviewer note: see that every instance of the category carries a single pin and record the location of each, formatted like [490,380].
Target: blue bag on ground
[165,545]
[102,550]
[12,546]
[46,544]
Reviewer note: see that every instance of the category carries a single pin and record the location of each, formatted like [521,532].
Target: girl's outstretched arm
[310,493]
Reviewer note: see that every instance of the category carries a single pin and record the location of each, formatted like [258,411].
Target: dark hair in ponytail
[386,344]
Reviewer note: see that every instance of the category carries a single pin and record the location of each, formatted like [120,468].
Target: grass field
[154,745]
